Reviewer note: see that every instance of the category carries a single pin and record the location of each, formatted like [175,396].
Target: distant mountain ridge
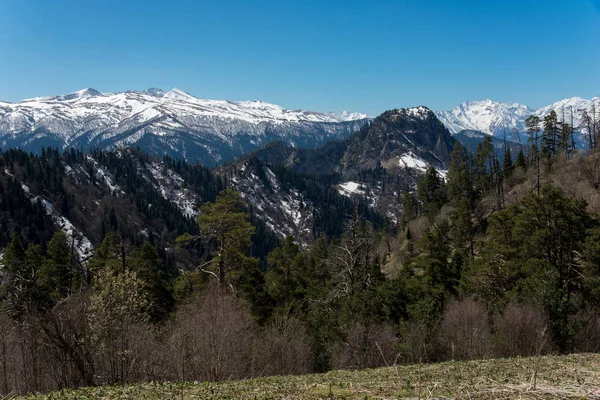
[215,131]
[496,118]
[173,122]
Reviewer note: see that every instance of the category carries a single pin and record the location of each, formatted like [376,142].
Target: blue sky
[327,55]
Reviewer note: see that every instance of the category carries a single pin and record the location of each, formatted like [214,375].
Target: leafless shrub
[116,316]
[520,331]
[465,332]
[367,346]
[589,168]
[11,361]
[67,341]
[212,338]
[283,348]
[588,336]
[418,227]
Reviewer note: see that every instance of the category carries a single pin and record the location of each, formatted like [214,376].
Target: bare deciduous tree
[216,335]
[367,346]
[465,332]
[283,348]
[520,330]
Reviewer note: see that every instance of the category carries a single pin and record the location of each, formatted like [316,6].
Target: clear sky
[325,55]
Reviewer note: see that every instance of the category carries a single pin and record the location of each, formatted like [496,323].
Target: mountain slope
[377,163]
[174,122]
[408,138]
[396,134]
[148,199]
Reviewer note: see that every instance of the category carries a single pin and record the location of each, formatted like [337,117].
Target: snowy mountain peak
[178,94]
[496,119]
[486,116]
[80,94]
[420,111]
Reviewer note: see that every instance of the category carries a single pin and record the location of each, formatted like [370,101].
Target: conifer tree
[588,123]
[507,167]
[226,222]
[285,278]
[19,277]
[462,198]
[409,205]
[57,274]
[485,167]
[533,130]
[550,134]
[520,161]
[431,192]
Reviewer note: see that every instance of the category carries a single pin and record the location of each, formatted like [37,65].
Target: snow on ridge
[284,211]
[419,111]
[88,103]
[104,176]
[83,246]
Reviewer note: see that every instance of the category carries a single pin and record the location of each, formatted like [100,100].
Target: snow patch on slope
[410,160]
[83,246]
[284,211]
[349,188]
[102,174]
[171,187]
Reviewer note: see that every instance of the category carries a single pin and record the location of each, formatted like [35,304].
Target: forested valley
[499,259]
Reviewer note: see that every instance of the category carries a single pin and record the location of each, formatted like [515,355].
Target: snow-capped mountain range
[213,131]
[495,118]
[173,122]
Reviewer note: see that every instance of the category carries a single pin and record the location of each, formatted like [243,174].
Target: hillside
[557,377]
[147,198]
[378,162]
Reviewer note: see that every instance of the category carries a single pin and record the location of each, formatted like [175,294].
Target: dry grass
[558,377]
[575,176]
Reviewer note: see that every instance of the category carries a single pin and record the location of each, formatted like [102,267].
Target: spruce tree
[431,192]
[533,130]
[507,166]
[462,198]
[520,161]
[550,135]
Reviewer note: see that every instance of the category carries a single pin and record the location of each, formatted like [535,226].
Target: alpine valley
[156,237]
[301,173]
